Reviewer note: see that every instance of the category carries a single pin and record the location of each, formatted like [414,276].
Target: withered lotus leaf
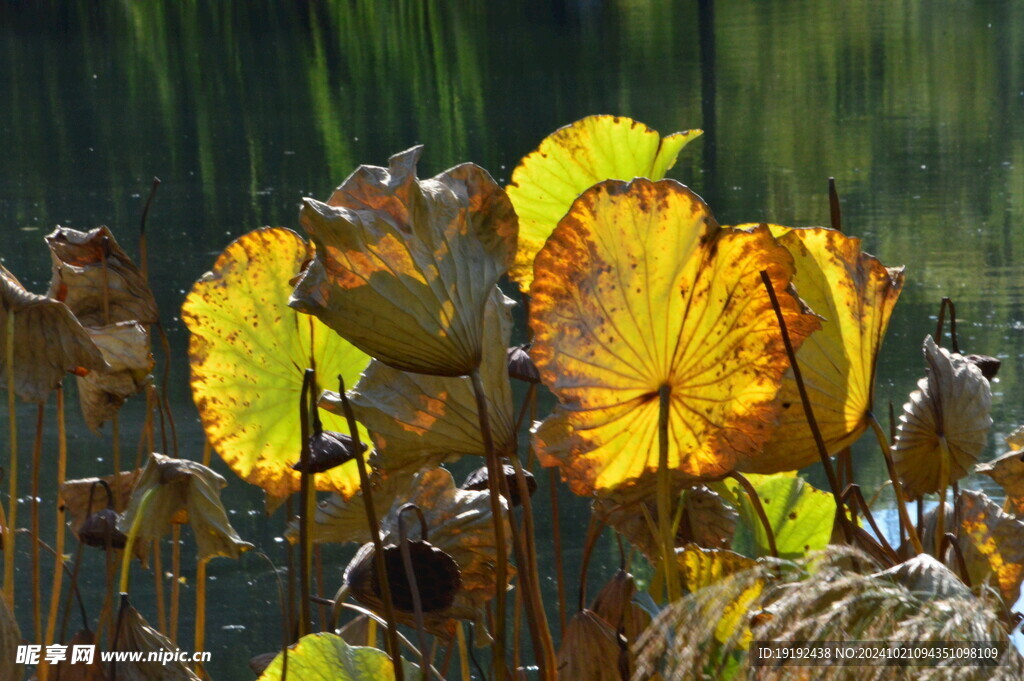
[614,604]
[74,496]
[636,290]
[927,578]
[574,158]
[328,656]
[182,491]
[404,266]
[944,426]
[134,635]
[125,347]
[48,341]
[855,295]
[10,639]
[340,520]
[248,351]
[590,650]
[96,279]
[419,420]
[996,543]
[78,671]
[1008,472]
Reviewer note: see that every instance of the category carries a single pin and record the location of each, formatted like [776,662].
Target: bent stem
[12,469]
[665,504]
[494,472]
[374,525]
[755,501]
[897,487]
[305,512]
[410,575]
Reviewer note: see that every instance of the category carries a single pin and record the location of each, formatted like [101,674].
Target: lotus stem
[306,501]
[556,538]
[460,635]
[143,251]
[12,470]
[58,560]
[284,613]
[494,473]
[940,531]
[947,302]
[166,403]
[129,547]
[835,213]
[172,632]
[37,591]
[378,545]
[812,423]
[200,643]
[666,531]
[115,429]
[410,574]
[755,501]
[854,492]
[897,486]
[594,530]
[318,569]
[949,540]
[371,632]
[377,618]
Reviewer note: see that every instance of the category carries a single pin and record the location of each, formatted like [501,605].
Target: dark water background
[917,109]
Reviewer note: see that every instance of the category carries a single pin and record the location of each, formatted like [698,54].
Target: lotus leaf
[801,516]
[590,650]
[996,538]
[404,267]
[181,491]
[1015,440]
[10,638]
[327,656]
[419,420]
[74,495]
[248,352]
[341,520]
[614,604]
[125,347]
[1008,472]
[79,671]
[638,290]
[134,635]
[48,341]
[96,279]
[926,577]
[944,426]
[855,295]
[574,158]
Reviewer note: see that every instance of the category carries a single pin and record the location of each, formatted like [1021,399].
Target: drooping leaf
[134,635]
[327,656]
[10,639]
[78,671]
[340,520]
[854,294]
[637,289]
[574,158]
[419,420]
[614,604]
[96,279]
[74,495]
[48,341]
[800,515]
[1008,472]
[182,491]
[404,267]
[997,538]
[944,426]
[590,649]
[248,352]
[125,347]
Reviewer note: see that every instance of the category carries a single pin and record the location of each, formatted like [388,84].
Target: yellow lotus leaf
[248,352]
[573,159]
[419,420]
[1008,472]
[997,538]
[48,341]
[404,266]
[322,656]
[704,568]
[854,294]
[96,279]
[638,290]
[125,347]
[944,426]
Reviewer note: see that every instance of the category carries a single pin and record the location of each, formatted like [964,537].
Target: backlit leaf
[404,266]
[636,289]
[571,160]
[1008,472]
[997,538]
[327,656]
[125,347]
[248,352]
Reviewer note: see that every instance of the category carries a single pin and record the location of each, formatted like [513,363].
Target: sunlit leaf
[125,347]
[10,639]
[48,341]
[998,539]
[1008,472]
[854,294]
[248,352]
[637,289]
[327,656]
[944,426]
[182,491]
[800,515]
[703,568]
[404,267]
[134,635]
[574,158]
[1015,440]
[96,279]
[419,420]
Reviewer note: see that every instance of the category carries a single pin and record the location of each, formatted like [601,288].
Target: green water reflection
[241,109]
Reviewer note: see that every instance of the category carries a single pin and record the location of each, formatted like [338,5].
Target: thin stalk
[556,538]
[58,573]
[460,635]
[200,639]
[143,251]
[835,213]
[172,632]
[669,568]
[115,428]
[854,492]
[158,586]
[410,575]
[129,548]
[12,469]
[306,510]
[37,590]
[897,487]
[949,540]
[374,526]
[166,346]
[812,423]
[594,530]
[318,568]
[755,501]
[940,531]
[494,473]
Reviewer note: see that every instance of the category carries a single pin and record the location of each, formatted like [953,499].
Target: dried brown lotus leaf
[404,266]
[134,635]
[1015,440]
[590,650]
[614,604]
[180,491]
[85,264]
[1008,472]
[944,426]
[927,578]
[997,538]
[10,639]
[340,520]
[74,495]
[126,349]
[79,671]
[48,341]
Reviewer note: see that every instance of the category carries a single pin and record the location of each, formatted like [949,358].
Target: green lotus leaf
[404,267]
[328,656]
[248,352]
[574,158]
[800,515]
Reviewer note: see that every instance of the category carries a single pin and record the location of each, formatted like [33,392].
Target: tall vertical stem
[200,640]
[897,486]
[494,474]
[12,469]
[305,512]
[37,591]
[172,632]
[58,561]
[665,503]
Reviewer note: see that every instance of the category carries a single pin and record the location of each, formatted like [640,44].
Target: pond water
[916,108]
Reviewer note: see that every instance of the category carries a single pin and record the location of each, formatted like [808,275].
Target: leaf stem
[755,501]
[12,469]
[133,533]
[664,492]
[897,487]
[305,514]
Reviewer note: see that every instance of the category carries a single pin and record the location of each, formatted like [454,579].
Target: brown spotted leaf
[997,539]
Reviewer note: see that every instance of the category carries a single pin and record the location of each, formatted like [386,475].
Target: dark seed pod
[100,528]
[437,577]
[521,366]
[477,481]
[989,365]
[327,450]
